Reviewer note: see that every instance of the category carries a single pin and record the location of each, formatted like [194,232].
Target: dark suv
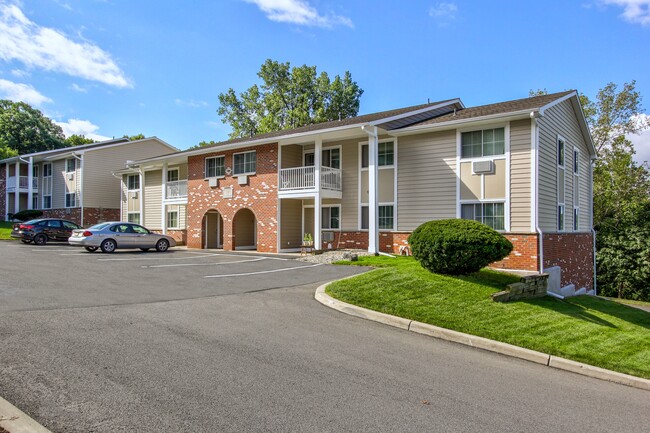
[42,230]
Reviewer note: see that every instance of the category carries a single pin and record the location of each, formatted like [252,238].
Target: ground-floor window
[386,217]
[47,202]
[576,218]
[133,217]
[172,217]
[331,217]
[70,199]
[490,214]
[35,200]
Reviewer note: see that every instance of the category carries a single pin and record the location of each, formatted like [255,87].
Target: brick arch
[212,229]
[244,229]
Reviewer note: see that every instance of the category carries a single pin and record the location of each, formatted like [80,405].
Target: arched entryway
[212,230]
[245,230]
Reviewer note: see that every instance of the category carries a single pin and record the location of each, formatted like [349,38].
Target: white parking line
[50,250]
[155,258]
[262,272]
[202,264]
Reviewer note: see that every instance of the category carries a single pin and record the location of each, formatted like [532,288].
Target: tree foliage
[134,137]
[78,140]
[288,98]
[24,129]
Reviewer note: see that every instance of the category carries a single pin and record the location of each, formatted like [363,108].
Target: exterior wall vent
[242,180]
[482,167]
[213,182]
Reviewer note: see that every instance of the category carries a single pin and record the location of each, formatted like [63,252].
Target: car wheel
[25,241]
[145,249]
[40,239]
[91,249]
[162,245]
[108,246]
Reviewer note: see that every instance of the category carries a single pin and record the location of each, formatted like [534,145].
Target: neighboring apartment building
[523,167]
[75,183]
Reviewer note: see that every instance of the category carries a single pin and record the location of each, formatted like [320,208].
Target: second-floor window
[172,175]
[215,166]
[245,163]
[385,154]
[487,142]
[133,182]
[70,165]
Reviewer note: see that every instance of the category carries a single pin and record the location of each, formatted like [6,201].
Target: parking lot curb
[15,420]
[480,342]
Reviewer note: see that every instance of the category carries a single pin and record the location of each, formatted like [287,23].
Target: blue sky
[114,67]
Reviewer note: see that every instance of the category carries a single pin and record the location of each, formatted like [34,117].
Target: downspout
[591,203]
[534,115]
[81,186]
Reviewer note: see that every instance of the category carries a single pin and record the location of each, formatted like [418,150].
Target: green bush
[457,246]
[29,214]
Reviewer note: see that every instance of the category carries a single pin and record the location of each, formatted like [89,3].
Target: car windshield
[98,226]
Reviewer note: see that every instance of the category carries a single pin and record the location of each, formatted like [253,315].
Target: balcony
[297,180]
[176,190]
[23,183]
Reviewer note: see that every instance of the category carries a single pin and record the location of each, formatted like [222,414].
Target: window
[309,159]
[47,202]
[576,162]
[215,166]
[139,230]
[172,217]
[560,217]
[35,201]
[386,219]
[331,158]
[487,142]
[54,224]
[70,165]
[576,189]
[561,185]
[330,217]
[70,199]
[490,214]
[385,154]
[47,170]
[133,182]
[172,175]
[35,172]
[133,217]
[576,219]
[560,152]
[69,225]
[245,163]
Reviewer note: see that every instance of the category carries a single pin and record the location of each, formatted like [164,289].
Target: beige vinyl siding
[561,119]
[470,184]
[494,184]
[426,178]
[291,156]
[350,184]
[520,176]
[291,229]
[385,184]
[101,188]
[58,184]
[152,199]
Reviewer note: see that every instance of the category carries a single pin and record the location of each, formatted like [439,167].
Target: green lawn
[5,230]
[586,329]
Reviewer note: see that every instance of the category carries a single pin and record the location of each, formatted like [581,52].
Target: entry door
[213,230]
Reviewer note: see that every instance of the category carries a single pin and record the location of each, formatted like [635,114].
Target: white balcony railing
[302,178]
[23,182]
[176,189]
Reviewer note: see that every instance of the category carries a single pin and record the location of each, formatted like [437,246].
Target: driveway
[128,342]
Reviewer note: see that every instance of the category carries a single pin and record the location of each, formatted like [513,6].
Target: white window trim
[248,173]
[324,148]
[66,165]
[557,176]
[383,167]
[576,188]
[177,170]
[311,206]
[576,209]
[46,193]
[177,211]
[66,200]
[127,183]
[505,156]
[43,201]
[133,213]
[205,166]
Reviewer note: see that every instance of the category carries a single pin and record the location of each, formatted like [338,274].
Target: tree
[24,129]
[134,137]
[78,140]
[288,98]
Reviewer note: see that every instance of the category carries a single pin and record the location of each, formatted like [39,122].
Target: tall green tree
[24,129]
[78,140]
[288,98]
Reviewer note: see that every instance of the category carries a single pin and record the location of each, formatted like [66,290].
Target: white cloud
[78,88]
[51,50]
[444,11]
[22,92]
[642,141]
[190,103]
[81,127]
[20,73]
[298,12]
[634,11]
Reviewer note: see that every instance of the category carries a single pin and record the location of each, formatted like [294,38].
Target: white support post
[30,180]
[318,152]
[373,209]
[17,193]
[163,216]
[141,192]
[7,192]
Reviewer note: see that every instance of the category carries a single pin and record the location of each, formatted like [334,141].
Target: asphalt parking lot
[198,341]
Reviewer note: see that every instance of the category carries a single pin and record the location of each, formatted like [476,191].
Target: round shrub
[457,246]
[28,214]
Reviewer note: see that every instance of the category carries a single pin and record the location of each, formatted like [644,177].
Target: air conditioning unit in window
[134,195]
[482,167]
[327,236]
[213,182]
[242,180]
[70,176]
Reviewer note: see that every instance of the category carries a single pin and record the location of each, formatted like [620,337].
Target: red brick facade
[180,236]
[91,215]
[524,255]
[574,253]
[260,196]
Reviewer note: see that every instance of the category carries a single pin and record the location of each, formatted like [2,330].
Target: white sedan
[110,236]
